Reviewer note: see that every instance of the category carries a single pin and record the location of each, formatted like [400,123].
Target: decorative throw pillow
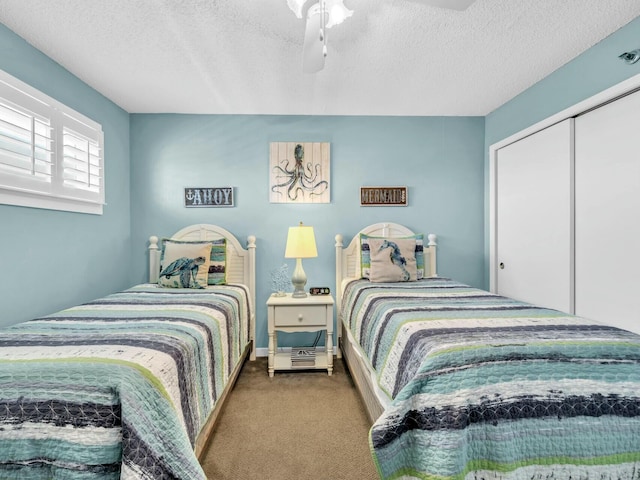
[218,262]
[184,265]
[392,260]
[217,274]
[365,259]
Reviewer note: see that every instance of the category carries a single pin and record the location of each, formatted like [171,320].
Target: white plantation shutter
[25,147]
[50,155]
[81,159]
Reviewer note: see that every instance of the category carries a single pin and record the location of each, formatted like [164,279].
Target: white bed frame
[240,268]
[348,266]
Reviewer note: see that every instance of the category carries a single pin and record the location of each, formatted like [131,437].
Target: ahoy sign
[208,197]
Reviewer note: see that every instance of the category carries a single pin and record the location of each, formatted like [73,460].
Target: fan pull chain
[323,23]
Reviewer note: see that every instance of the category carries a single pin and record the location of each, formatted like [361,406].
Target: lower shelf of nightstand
[282,361]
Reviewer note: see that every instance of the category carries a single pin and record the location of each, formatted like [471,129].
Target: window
[50,155]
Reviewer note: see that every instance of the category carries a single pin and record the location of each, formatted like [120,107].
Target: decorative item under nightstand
[309,314]
[280,281]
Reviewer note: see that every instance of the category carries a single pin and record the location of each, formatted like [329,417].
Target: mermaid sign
[383,196]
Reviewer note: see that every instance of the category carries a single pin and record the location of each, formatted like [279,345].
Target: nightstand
[312,313]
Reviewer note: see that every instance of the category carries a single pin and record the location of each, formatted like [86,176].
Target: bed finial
[154,259]
[432,239]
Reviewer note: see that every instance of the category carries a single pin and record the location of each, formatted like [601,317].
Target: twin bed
[129,385]
[460,383]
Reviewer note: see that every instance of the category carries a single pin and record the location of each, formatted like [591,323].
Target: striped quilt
[118,387]
[486,387]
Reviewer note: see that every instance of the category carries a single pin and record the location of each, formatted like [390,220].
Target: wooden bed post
[432,256]
[251,247]
[154,259]
[339,262]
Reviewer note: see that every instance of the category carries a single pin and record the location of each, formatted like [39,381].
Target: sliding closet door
[534,218]
[607,188]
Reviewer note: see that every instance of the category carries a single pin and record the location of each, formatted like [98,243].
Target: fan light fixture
[335,10]
[320,15]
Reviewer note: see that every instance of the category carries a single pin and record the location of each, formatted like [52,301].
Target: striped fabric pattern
[118,387]
[486,387]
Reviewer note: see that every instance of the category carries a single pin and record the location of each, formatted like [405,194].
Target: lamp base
[299,294]
[299,280]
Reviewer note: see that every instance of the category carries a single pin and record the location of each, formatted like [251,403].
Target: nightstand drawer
[288,316]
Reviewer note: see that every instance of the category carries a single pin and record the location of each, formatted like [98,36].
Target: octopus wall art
[299,172]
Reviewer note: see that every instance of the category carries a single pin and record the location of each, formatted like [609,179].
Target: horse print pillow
[184,265]
[392,260]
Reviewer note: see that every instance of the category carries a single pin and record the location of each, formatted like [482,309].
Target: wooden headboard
[240,265]
[348,259]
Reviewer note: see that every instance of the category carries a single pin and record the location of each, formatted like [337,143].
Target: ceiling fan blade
[312,50]
[450,4]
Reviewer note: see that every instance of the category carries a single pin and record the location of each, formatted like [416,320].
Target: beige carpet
[297,425]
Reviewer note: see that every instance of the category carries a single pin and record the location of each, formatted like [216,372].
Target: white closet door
[534,218]
[607,183]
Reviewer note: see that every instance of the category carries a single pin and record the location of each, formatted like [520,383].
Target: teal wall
[49,259]
[590,73]
[439,159]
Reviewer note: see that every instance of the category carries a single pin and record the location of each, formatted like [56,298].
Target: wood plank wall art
[299,172]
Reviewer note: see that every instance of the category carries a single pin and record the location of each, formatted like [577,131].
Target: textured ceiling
[392,57]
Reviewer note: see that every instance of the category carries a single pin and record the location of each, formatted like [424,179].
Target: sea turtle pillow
[217,259]
[184,265]
[392,260]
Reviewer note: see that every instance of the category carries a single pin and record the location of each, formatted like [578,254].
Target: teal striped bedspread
[486,387]
[118,387]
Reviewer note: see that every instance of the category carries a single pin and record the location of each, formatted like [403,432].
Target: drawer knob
[300,317]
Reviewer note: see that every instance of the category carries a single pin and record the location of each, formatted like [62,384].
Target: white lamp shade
[301,242]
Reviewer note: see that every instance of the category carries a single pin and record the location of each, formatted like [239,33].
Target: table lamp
[301,243]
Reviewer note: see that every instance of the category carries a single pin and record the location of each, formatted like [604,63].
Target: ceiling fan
[323,14]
